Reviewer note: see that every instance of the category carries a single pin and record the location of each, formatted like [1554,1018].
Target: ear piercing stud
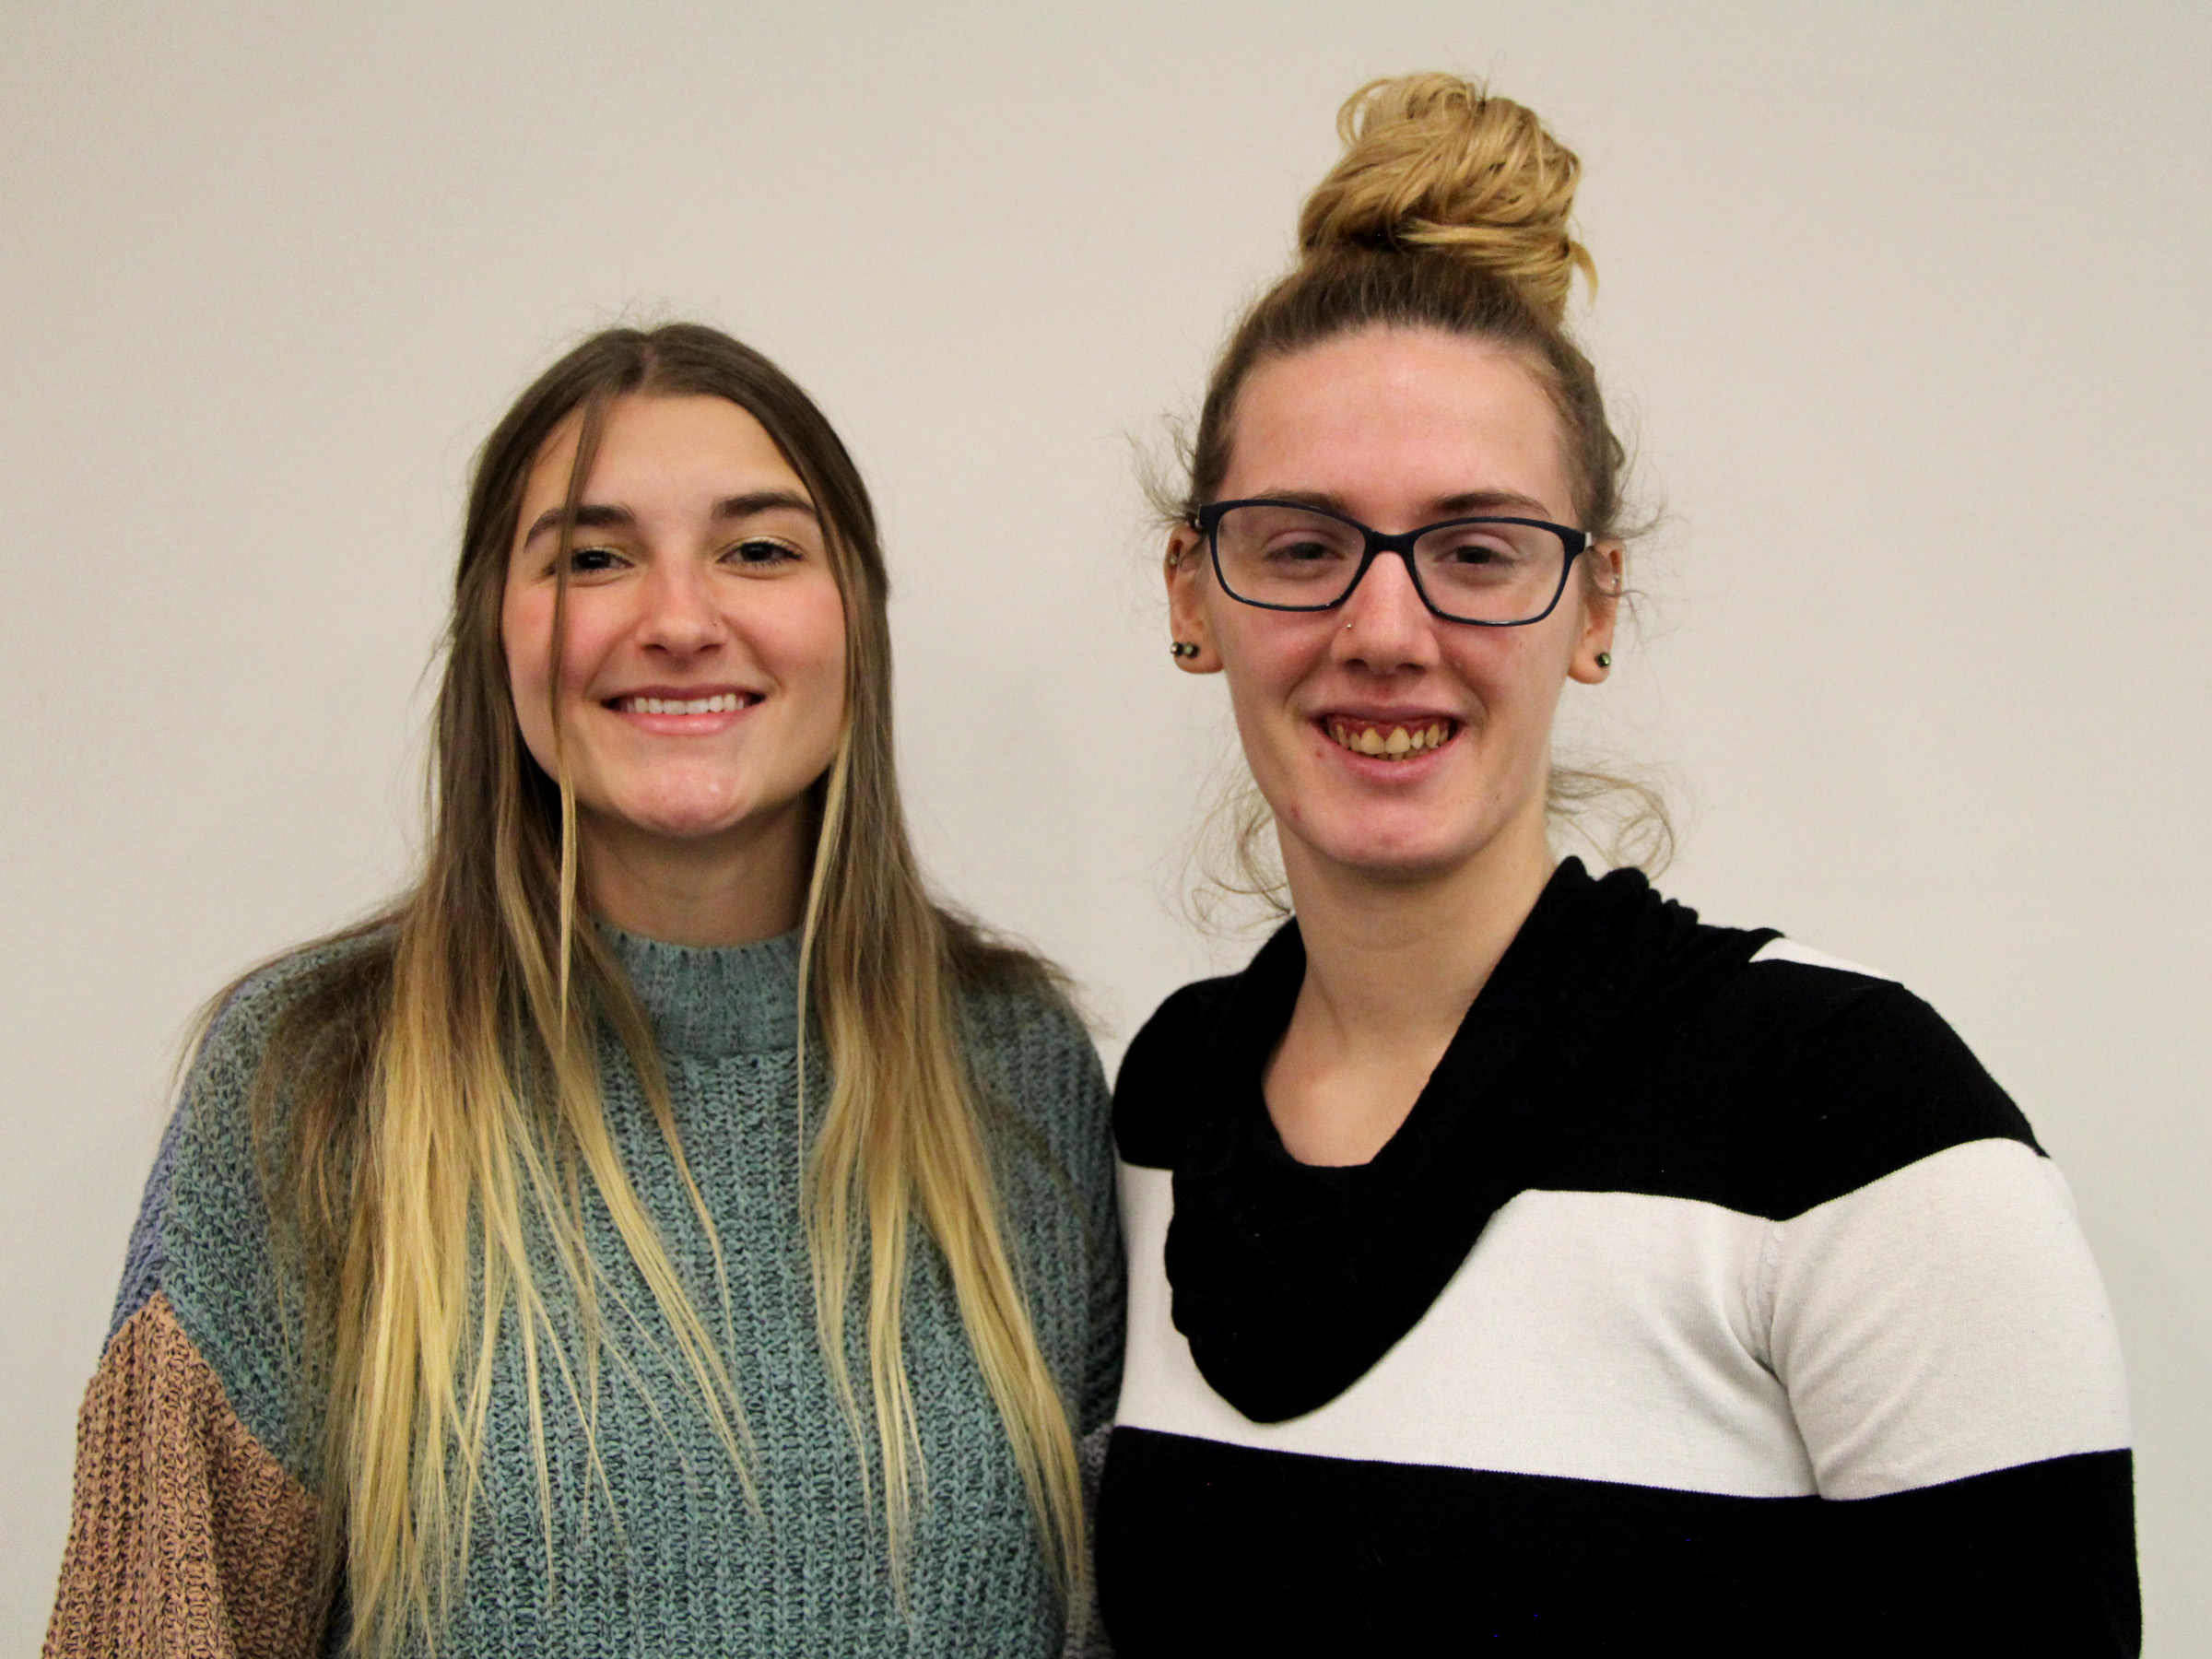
[1605,659]
[1181,648]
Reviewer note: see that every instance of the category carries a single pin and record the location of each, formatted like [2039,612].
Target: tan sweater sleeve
[188,1539]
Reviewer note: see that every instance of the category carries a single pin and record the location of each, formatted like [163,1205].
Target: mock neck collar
[710,1001]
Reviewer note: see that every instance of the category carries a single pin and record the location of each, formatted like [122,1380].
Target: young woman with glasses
[1515,1257]
[607,1250]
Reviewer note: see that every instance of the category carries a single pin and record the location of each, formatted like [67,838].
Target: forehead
[1394,417]
[681,445]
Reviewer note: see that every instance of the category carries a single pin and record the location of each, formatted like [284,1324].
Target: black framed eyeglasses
[1493,573]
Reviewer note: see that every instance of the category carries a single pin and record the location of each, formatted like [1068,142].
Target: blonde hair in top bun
[1433,161]
[1448,210]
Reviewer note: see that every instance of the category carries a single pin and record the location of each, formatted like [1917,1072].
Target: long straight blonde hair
[431,1094]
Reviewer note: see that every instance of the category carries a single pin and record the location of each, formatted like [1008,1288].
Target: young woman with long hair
[1515,1258]
[664,1228]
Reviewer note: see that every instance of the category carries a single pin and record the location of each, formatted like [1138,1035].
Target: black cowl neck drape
[1291,1281]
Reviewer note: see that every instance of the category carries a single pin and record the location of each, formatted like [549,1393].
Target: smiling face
[1398,428]
[703,678]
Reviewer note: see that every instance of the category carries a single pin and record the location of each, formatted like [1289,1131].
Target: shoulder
[1836,1075]
[1031,1028]
[211,1133]
[1152,1092]
[246,1016]
[305,997]
[1034,1054]
[1934,1313]
[202,1237]
[1020,1015]
[242,1022]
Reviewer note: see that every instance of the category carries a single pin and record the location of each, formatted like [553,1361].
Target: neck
[1393,964]
[745,884]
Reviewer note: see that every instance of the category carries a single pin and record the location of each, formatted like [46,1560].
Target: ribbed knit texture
[187,1538]
[666,1558]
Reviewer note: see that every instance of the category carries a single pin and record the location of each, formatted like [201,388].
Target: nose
[1385,624]
[680,618]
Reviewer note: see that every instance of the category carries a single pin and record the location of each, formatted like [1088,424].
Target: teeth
[727,703]
[1396,744]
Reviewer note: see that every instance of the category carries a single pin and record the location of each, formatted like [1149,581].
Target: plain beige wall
[1905,304]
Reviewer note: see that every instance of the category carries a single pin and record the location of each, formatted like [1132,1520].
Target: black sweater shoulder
[1795,1084]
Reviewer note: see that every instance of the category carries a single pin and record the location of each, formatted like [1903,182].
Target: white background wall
[1905,304]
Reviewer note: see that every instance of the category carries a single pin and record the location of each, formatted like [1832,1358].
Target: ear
[1601,587]
[1187,576]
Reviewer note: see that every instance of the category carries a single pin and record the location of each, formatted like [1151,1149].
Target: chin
[1413,854]
[1391,864]
[698,827]
[683,814]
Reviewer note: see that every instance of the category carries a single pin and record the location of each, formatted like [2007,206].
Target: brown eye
[589,561]
[762,555]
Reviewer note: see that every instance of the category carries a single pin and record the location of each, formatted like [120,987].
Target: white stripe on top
[1784,949]
[1941,1322]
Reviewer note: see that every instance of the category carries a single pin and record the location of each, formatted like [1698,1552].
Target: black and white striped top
[1712,1290]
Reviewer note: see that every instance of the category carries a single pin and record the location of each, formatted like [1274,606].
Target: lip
[1399,768]
[667,723]
[1404,714]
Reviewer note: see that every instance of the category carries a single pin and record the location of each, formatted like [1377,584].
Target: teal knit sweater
[657,1551]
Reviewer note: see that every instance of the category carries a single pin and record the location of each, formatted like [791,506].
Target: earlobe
[1591,668]
[1188,640]
[1195,657]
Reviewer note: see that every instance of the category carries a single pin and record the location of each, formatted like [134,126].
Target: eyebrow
[764,500]
[610,516]
[1444,506]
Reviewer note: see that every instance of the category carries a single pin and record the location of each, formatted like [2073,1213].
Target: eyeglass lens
[1479,572]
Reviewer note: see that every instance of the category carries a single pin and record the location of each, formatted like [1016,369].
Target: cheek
[1264,667]
[526,640]
[596,622]
[1259,660]
[526,637]
[802,643]
[1517,678]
